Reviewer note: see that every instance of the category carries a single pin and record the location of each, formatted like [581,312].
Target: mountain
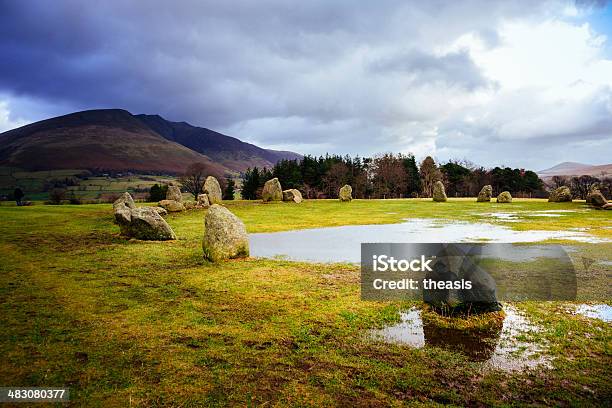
[576,169]
[226,150]
[116,140]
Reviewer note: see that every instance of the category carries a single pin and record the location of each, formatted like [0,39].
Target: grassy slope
[153,324]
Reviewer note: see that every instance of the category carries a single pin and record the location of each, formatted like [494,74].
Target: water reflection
[500,346]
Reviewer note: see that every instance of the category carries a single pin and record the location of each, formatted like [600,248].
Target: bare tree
[558,181]
[336,177]
[582,186]
[389,176]
[194,176]
[429,175]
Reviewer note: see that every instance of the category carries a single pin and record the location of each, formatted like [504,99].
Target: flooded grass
[601,312]
[343,244]
[500,343]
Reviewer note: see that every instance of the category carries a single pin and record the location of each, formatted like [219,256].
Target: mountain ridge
[570,169]
[116,140]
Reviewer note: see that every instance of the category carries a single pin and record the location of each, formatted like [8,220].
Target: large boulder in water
[272,190]
[439,194]
[504,197]
[596,199]
[140,222]
[172,205]
[345,193]
[485,194]
[174,193]
[560,195]
[292,195]
[225,235]
[213,190]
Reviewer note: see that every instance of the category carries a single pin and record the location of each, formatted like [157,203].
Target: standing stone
[345,193]
[140,222]
[504,197]
[272,190]
[203,201]
[292,195]
[439,194]
[172,205]
[485,194]
[174,193]
[213,190]
[560,195]
[596,199]
[225,235]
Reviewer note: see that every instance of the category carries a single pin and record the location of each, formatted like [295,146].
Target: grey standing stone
[439,195]
[485,194]
[225,235]
[272,190]
[140,222]
[213,190]
[560,195]
[174,193]
[292,195]
[346,193]
[504,197]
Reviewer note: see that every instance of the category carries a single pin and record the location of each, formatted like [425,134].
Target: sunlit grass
[122,320]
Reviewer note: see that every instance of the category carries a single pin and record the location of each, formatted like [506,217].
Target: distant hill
[116,140]
[226,150]
[571,169]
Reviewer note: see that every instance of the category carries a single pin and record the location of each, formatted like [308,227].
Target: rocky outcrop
[485,194]
[140,222]
[213,190]
[560,195]
[203,201]
[346,193]
[225,235]
[272,190]
[504,197]
[172,205]
[292,195]
[439,195]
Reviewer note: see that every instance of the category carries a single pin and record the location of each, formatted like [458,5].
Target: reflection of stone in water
[477,345]
[499,348]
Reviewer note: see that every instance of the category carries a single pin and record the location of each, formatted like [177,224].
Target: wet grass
[125,322]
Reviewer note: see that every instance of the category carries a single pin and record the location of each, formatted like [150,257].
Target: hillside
[571,169]
[226,150]
[116,140]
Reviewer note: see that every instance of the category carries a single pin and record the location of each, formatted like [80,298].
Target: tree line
[389,176]
[582,185]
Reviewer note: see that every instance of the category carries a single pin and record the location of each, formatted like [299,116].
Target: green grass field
[132,323]
[88,187]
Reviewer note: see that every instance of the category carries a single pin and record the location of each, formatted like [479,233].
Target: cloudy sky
[518,83]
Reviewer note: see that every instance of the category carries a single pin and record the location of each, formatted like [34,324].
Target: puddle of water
[601,312]
[496,349]
[343,244]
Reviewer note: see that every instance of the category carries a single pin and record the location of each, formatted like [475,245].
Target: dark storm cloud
[454,69]
[316,76]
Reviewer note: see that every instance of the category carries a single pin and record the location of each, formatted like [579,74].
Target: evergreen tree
[230,189]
